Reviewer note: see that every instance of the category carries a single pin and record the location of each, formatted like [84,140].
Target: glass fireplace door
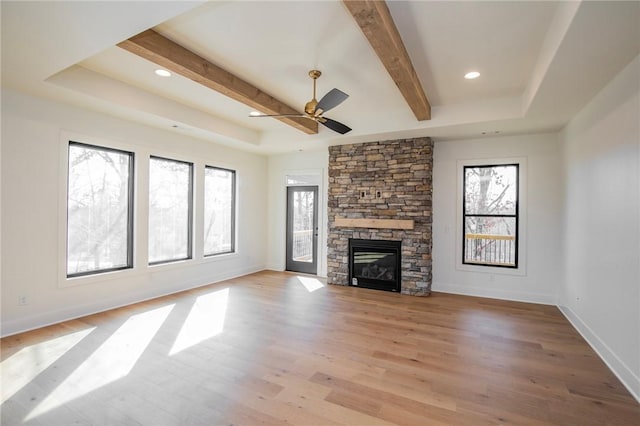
[375,264]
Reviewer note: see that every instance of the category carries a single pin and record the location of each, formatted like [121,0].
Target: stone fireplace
[382,191]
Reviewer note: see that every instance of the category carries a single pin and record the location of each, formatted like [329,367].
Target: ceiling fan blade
[331,100]
[278,115]
[334,125]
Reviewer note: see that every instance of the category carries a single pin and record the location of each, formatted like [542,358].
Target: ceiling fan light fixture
[471,75]
[162,73]
[314,109]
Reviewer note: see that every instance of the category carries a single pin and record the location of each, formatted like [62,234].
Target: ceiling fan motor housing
[310,107]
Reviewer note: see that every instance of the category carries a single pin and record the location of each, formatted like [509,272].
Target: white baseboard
[278,269]
[542,299]
[273,267]
[630,380]
[44,319]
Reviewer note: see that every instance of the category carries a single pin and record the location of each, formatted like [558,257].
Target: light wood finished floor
[278,348]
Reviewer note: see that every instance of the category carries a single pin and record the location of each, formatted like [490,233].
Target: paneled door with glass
[302,229]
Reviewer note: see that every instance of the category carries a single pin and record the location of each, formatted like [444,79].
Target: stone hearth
[385,182]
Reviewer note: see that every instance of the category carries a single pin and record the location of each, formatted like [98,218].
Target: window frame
[141,268]
[456,231]
[515,216]
[130,209]
[190,212]
[233,211]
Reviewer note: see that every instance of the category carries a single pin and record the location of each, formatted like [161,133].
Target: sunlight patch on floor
[26,364]
[205,320]
[113,360]
[311,284]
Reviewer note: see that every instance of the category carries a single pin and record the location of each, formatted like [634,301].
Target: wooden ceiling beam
[377,24]
[170,55]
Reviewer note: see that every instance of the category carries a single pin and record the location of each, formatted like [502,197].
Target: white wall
[540,274]
[33,188]
[601,292]
[306,162]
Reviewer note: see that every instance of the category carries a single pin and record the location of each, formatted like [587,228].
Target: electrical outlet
[22,300]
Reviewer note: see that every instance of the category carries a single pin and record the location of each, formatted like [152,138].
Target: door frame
[291,265]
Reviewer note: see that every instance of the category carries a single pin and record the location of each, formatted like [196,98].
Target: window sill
[493,270]
[142,270]
[66,282]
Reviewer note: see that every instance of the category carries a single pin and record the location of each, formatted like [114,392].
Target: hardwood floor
[278,348]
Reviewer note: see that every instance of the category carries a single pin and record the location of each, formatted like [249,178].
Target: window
[99,209]
[490,215]
[170,210]
[219,210]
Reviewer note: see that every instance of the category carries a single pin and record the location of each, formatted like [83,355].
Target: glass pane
[303,179]
[169,210]
[490,240]
[303,226]
[374,265]
[218,210]
[98,209]
[491,190]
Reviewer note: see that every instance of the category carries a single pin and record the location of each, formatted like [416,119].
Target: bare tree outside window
[99,210]
[219,211]
[490,204]
[170,210]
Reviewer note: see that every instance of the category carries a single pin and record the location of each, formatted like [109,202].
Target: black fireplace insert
[375,264]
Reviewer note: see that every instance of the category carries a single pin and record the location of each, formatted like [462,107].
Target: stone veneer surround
[382,180]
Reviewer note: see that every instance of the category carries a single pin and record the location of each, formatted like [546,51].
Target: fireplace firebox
[375,264]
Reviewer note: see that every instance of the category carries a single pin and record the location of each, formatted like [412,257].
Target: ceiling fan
[315,109]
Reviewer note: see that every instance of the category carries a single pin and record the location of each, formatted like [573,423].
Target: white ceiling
[540,62]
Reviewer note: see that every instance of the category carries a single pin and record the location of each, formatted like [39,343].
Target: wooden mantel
[373,223]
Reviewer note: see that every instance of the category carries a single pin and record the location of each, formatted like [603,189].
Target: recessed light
[471,75]
[255,113]
[163,73]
